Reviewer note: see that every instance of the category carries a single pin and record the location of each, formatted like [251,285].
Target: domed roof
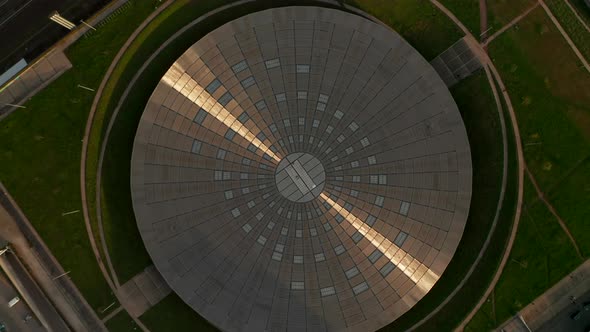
[301,168]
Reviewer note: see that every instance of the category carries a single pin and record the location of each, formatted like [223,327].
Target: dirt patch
[581,118]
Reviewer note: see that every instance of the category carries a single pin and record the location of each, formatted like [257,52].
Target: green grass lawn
[481,120]
[121,322]
[501,12]
[573,27]
[454,312]
[419,22]
[467,11]
[551,102]
[542,255]
[172,314]
[571,198]
[40,152]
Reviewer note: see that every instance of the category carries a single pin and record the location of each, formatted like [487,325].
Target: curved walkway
[489,65]
[83,159]
[523,168]
[477,49]
[551,209]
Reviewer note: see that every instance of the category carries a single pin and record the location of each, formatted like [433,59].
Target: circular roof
[301,167]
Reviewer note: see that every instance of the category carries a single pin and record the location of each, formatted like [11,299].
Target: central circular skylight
[301,168]
[300,177]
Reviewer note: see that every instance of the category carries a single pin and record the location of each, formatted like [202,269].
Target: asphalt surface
[34,293]
[25,28]
[564,322]
[14,318]
[65,285]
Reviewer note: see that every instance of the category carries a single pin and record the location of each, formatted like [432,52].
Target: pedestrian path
[143,291]
[552,302]
[33,79]
[51,64]
[456,63]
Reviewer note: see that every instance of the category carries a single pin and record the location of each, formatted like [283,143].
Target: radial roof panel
[301,168]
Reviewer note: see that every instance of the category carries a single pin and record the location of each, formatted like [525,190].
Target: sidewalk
[32,80]
[43,267]
[49,66]
[143,291]
[555,300]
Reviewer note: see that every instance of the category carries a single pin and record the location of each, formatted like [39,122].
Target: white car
[14,301]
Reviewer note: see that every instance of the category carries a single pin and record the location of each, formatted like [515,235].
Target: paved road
[32,293]
[66,286]
[27,31]
[563,321]
[13,317]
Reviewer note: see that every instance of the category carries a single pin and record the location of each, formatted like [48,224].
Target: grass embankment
[40,152]
[467,12]
[121,322]
[161,318]
[552,103]
[541,255]
[499,13]
[419,22]
[571,25]
[548,90]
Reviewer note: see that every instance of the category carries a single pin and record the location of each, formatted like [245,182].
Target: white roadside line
[15,13]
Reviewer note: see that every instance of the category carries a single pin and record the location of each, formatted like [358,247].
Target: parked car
[586,306]
[3,327]
[14,301]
